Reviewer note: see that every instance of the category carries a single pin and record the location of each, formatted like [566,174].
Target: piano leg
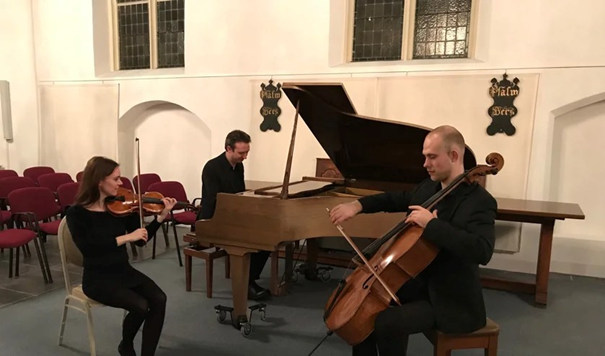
[312,253]
[280,285]
[240,273]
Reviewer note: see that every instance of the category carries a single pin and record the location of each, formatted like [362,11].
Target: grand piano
[373,155]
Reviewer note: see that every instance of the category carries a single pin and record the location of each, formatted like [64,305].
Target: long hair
[97,169]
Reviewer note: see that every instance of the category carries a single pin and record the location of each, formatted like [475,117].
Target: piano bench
[485,338]
[209,255]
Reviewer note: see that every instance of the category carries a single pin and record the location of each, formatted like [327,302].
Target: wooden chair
[209,255]
[75,298]
[485,338]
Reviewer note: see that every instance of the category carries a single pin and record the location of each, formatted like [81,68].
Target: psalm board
[503,109]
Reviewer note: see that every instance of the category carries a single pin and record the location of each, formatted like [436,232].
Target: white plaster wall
[231,44]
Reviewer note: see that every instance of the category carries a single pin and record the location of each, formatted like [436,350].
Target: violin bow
[139,182]
[350,241]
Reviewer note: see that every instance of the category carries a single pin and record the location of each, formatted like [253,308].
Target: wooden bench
[485,338]
[209,255]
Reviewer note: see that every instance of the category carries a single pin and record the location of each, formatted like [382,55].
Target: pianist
[447,295]
[225,174]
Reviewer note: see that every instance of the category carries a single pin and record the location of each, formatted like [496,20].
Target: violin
[126,202]
[394,259]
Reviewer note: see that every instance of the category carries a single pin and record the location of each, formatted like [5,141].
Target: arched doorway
[174,143]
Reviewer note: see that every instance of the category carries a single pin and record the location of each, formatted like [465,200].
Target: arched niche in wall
[173,141]
[576,168]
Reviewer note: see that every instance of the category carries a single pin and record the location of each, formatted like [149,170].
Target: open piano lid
[362,148]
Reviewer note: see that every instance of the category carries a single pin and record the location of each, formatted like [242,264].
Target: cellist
[447,295]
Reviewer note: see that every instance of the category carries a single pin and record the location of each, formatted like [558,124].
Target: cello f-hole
[365,284]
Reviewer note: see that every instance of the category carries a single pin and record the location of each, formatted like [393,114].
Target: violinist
[102,238]
[447,295]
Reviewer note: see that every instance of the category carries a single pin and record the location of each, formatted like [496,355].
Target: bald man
[447,295]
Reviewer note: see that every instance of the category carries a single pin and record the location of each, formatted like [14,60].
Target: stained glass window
[171,33]
[135,33]
[378,30]
[442,29]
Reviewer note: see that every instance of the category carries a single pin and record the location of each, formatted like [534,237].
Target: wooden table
[517,210]
[537,212]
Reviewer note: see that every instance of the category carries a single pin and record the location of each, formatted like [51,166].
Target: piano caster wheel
[325,273]
[299,269]
[246,329]
[262,309]
[221,313]
[263,314]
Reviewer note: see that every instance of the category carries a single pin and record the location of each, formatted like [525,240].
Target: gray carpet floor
[573,323]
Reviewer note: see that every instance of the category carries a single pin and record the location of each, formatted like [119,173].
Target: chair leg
[440,348]
[178,249]
[26,252]
[153,251]
[165,232]
[63,319]
[492,348]
[45,259]
[188,273]
[91,335]
[10,263]
[209,274]
[44,274]
[227,267]
[17,262]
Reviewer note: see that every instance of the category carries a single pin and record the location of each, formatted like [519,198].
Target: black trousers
[257,260]
[394,325]
[141,297]
[257,264]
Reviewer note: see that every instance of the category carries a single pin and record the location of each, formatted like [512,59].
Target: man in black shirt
[225,174]
[447,295]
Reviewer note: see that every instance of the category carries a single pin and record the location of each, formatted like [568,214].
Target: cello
[386,265]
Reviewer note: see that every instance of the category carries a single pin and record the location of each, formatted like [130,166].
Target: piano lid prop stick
[284,191]
[350,241]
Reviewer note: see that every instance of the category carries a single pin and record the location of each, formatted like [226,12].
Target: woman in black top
[102,238]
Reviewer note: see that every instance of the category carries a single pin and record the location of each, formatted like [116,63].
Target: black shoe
[257,287]
[126,349]
[255,292]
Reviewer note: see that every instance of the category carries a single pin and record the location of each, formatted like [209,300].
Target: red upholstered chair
[79,176]
[8,173]
[39,206]
[13,239]
[126,183]
[147,179]
[66,194]
[35,172]
[53,181]
[7,185]
[186,217]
